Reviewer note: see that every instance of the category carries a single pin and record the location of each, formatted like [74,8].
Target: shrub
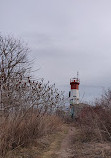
[95,123]
[23,131]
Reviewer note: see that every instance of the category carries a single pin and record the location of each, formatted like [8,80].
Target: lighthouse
[74,95]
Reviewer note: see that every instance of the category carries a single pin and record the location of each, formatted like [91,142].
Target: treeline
[28,108]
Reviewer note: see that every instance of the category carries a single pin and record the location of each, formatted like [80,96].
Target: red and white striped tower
[74,93]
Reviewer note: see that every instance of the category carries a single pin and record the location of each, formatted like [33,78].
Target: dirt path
[72,147]
[61,145]
[65,150]
[68,145]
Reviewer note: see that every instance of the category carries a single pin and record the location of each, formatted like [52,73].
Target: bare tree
[18,92]
[12,68]
[27,105]
[105,100]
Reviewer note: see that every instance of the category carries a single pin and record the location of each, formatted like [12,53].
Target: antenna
[77,74]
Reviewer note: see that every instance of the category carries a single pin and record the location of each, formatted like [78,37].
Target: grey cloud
[64,36]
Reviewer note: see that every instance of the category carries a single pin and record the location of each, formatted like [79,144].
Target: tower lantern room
[74,82]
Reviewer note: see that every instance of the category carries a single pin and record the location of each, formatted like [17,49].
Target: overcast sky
[65,36]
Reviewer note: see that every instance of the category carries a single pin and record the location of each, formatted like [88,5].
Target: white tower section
[74,93]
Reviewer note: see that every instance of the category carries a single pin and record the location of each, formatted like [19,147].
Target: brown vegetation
[16,133]
[95,121]
[27,107]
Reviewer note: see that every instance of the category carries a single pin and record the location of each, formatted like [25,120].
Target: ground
[71,147]
[64,144]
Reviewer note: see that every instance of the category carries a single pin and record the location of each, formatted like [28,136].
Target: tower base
[75,110]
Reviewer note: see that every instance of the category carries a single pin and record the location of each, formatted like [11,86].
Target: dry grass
[93,134]
[95,124]
[16,132]
[91,150]
[84,148]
